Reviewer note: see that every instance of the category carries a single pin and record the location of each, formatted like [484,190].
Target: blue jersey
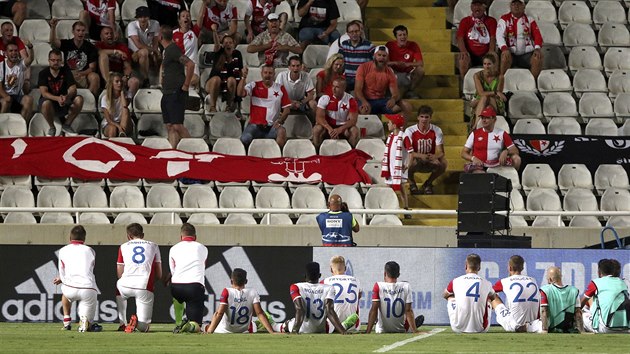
[336,228]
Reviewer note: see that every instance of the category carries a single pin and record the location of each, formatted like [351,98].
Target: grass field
[49,338]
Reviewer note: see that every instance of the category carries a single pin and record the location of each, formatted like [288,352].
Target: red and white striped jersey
[522,297]
[240,307]
[393,299]
[487,146]
[314,296]
[471,300]
[337,110]
[98,10]
[187,42]
[76,265]
[258,13]
[267,102]
[141,259]
[221,18]
[423,142]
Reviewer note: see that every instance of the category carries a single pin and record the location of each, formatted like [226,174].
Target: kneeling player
[76,274]
[313,304]
[391,304]
[237,304]
[139,264]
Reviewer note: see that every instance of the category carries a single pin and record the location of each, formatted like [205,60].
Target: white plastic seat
[610,176]
[619,221]
[608,11]
[370,126]
[543,199]
[307,219]
[276,219]
[350,195]
[308,197]
[517,221]
[56,218]
[17,181]
[235,197]
[93,218]
[589,80]
[519,80]
[128,10]
[517,202]
[500,123]
[615,199]
[195,145]
[386,220]
[584,58]
[579,199]
[272,197]
[54,197]
[126,197]
[38,126]
[12,125]
[89,196]
[381,198]
[618,82]
[285,7]
[622,106]
[199,196]
[298,148]
[499,8]
[547,221]
[538,175]
[373,147]
[564,126]
[66,9]
[559,104]
[128,218]
[331,147]
[40,53]
[613,35]
[469,89]
[147,101]
[35,30]
[229,146]
[541,11]
[507,172]
[19,218]
[38,9]
[64,28]
[574,12]
[42,181]
[163,197]
[550,33]
[461,10]
[373,169]
[574,176]
[553,57]
[195,125]
[616,58]
[624,129]
[151,125]
[579,34]
[529,126]
[585,221]
[315,55]
[554,80]
[240,219]
[249,59]
[298,126]
[264,148]
[601,126]
[86,124]
[253,74]
[596,105]
[165,219]
[224,125]
[14,196]
[524,105]
[203,219]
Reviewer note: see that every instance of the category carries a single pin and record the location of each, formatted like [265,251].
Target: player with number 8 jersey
[139,264]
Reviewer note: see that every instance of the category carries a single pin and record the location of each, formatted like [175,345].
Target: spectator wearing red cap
[489,146]
[336,116]
[424,142]
[395,162]
[476,37]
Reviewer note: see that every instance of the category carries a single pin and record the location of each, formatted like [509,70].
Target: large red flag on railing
[91,158]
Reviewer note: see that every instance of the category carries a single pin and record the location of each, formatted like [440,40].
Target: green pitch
[49,338]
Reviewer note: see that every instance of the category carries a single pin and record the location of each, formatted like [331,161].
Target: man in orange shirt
[373,80]
[405,58]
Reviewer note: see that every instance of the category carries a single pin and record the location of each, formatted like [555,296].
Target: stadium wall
[30,296]
[296,235]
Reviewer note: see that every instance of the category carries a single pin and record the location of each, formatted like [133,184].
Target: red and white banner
[91,158]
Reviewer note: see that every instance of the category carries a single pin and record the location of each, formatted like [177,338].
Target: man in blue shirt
[337,224]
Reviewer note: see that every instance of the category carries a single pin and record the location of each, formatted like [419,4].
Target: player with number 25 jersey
[347,292]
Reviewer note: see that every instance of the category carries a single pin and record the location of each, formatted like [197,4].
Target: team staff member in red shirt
[476,36]
[405,58]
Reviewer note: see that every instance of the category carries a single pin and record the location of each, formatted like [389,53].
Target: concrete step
[434,201]
[425,46]
[449,128]
[413,25]
[406,13]
[404,3]
[438,92]
[430,220]
[431,35]
[440,105]
[454,140]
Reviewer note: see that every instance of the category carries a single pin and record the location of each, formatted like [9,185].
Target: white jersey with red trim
[423,141]
[487,146]
[240,307]
[347,292]
[393,298]
[187,260]
[98,9]
[314,297]
[522,297]
[337,110]
[266,102]
[76,266]
[141,259]
[221,18]
[471,298]
[187,41]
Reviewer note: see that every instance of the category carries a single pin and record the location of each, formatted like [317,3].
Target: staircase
[439,89]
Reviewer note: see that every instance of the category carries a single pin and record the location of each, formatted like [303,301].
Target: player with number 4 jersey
[521,292]
[139,264]
[347,293]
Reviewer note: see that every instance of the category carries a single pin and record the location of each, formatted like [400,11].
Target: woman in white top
[116,120]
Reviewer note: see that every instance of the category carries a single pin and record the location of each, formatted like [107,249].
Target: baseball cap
[143,11]
[397,119]
[273,17]
[488,112]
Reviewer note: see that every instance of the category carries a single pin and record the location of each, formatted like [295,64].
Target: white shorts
[451,306]
[85,297]
[144,302]
[305,327]
[588,324]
